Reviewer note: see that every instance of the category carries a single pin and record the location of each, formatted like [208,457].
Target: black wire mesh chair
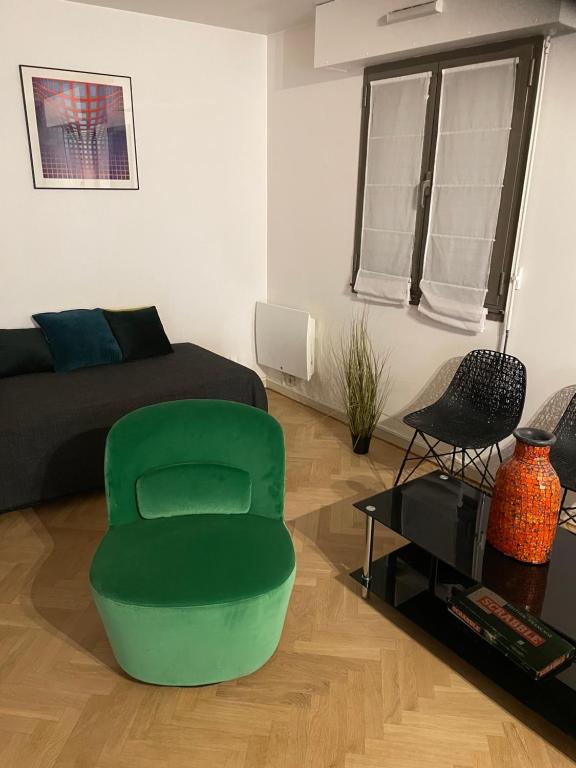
[481,406]
[563,457]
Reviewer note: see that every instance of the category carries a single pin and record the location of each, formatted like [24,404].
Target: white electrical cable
[516,272]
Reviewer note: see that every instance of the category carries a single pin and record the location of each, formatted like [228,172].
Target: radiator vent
[414,11]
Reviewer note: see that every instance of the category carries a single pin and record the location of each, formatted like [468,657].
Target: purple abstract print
[81,130]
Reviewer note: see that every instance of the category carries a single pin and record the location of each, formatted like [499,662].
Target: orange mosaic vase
[526,500]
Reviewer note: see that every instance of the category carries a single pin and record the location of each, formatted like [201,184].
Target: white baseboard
[382,432]
[388,435]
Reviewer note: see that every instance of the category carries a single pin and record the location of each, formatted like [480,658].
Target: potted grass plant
[363,381]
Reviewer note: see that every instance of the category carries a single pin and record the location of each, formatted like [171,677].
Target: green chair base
[195,645]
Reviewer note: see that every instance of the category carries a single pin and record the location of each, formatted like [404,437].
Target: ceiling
[263,16]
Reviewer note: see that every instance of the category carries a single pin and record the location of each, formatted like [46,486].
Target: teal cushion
[193,488]
[79,338]
[193,560]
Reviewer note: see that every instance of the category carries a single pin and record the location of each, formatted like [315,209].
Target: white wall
[545,313]
[313,138]
[192,240]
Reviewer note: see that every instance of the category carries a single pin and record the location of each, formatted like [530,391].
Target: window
[444,141]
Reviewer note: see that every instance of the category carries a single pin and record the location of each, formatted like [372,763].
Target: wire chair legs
[567,514]
[446,460]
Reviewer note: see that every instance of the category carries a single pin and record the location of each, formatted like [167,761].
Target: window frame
[528,52]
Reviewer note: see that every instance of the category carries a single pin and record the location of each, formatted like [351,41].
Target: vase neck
[526,452]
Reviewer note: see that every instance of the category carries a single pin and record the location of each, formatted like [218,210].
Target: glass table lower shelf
[444,522]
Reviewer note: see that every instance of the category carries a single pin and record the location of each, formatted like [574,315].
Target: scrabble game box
[523,638]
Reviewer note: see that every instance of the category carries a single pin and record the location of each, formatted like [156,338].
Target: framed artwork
[80,129]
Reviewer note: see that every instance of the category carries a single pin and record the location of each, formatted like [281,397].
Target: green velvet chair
[193,577]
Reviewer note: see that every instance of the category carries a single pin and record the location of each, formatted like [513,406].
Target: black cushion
[23,350]
[139,332]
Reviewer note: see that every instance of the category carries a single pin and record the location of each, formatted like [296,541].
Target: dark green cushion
[194,560]
[79,338]
[23,350]
[184,489]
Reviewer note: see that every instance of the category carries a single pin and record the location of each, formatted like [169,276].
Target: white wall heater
[285,339]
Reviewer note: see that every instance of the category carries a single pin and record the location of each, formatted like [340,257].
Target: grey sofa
[53,426]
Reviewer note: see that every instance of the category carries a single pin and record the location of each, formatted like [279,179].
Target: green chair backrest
[154,440]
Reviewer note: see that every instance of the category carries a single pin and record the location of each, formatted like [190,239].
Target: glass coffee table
[444,520]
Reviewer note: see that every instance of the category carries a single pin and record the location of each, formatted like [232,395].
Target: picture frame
[80,126]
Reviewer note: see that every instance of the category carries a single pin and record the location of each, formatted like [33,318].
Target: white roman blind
[475,117]
[393,167]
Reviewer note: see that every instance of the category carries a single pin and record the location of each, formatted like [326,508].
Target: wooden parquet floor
[347,688]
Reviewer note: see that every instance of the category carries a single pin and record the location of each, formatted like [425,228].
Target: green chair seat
[195,560]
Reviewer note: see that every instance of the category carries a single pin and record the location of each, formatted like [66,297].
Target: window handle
[425,188]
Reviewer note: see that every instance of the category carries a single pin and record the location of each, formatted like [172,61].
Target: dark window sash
[528,52]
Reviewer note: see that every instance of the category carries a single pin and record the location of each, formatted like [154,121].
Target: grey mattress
[53,426]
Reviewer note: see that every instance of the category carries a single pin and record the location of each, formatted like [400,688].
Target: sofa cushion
[139,332]
[23,350]
[100,396]
[193,560]
[193,489]
[54,425]
[79,338]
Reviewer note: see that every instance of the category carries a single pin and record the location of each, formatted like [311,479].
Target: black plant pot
[361,443]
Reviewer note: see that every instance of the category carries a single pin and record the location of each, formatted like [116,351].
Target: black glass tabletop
[448,518]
